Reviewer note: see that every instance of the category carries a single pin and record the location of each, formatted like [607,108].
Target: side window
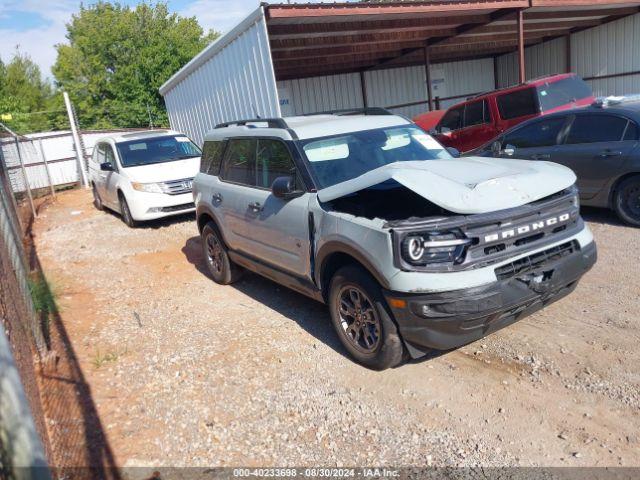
[109,157]
[452,120]
[631,133]
[239,162]
[538,134]
[476,113]
[596,128]
[272,161]
[98,154]
[211,157]
[518,104]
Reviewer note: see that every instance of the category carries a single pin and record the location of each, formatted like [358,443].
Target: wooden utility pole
[427,67]
[520,20]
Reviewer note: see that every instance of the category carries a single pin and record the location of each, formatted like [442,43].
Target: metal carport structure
[407,56]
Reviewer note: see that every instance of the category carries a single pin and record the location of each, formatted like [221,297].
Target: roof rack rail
[271,123]
[354,111]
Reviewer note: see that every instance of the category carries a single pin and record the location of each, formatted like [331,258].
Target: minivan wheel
[220,266]
[362,320]
[126,213]
[97,201]
[626,201]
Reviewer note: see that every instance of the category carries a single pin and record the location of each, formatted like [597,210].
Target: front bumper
[449,320]
[150,206]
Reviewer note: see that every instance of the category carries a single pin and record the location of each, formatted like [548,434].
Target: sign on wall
[438,84]
[286,102]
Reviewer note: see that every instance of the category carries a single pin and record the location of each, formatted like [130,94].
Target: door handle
[255,206]
[611,153]
[541,156]
[216,198]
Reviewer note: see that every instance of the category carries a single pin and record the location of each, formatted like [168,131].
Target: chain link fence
[24,442]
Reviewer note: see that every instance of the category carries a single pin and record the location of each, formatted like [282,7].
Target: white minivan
[144,175]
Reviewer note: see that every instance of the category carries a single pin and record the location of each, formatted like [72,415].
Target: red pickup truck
[472,123]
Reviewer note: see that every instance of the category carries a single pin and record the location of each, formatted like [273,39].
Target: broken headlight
[420,249]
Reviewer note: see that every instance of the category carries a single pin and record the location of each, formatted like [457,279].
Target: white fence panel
[319,94]
[231,79]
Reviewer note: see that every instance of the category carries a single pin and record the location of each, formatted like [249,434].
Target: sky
[36,26]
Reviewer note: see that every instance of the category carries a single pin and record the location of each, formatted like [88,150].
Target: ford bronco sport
[411,249]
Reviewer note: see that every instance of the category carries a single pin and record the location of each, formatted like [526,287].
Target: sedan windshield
[337,159]
[153,150]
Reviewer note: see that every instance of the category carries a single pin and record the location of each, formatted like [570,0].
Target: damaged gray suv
[411,248]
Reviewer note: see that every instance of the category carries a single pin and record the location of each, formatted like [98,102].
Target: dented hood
[466,185]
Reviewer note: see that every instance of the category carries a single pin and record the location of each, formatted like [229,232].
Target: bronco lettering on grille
[527,228]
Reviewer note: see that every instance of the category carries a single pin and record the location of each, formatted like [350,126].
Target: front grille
[177,187]
[177,208]
[531,262]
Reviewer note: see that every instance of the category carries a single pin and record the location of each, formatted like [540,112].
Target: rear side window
[596,128]
[452,120]
[538,134]
[518,104]
[632,132]
[272,161]
[562,92]
[211,157]
[476,113]
[239,162]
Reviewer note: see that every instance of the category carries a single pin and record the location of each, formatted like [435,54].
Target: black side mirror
[284,187]
[454,152]
[106,167]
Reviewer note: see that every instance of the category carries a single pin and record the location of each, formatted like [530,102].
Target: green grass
[44,299]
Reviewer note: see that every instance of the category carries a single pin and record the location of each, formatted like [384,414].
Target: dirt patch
[186,372]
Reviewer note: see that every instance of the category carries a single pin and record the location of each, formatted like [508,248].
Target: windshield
[153,150]
[337,159]
[563,92]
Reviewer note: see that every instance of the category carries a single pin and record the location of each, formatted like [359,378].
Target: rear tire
[216,255]
[362,320]
[126,213]
[626,201]
[97,201]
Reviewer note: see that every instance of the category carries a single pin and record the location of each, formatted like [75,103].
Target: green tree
[117,58]
[25,97]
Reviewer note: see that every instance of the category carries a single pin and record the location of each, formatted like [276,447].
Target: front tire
[626,201]
[126,213]
[362,320]
[220,266]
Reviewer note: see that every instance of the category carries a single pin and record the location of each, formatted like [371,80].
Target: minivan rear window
[518,104]
[563,92]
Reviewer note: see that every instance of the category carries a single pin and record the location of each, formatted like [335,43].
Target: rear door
[99,177]
[276,230]
[515,107]
[596,147]
[231,190]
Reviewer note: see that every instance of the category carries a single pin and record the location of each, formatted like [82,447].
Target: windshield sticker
[327,150]
[397,141]
[182,139]
[427,141]
[137,146]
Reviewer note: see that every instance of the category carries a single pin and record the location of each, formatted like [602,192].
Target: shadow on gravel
[312,316]
[159,223]
[601,215]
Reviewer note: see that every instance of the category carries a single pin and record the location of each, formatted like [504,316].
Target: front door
[276,229]
[596,148]
[111,178]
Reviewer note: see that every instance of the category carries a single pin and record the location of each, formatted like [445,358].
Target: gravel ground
[187,372]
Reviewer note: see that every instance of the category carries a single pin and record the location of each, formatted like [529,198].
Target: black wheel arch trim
[202,210]
[335,246]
